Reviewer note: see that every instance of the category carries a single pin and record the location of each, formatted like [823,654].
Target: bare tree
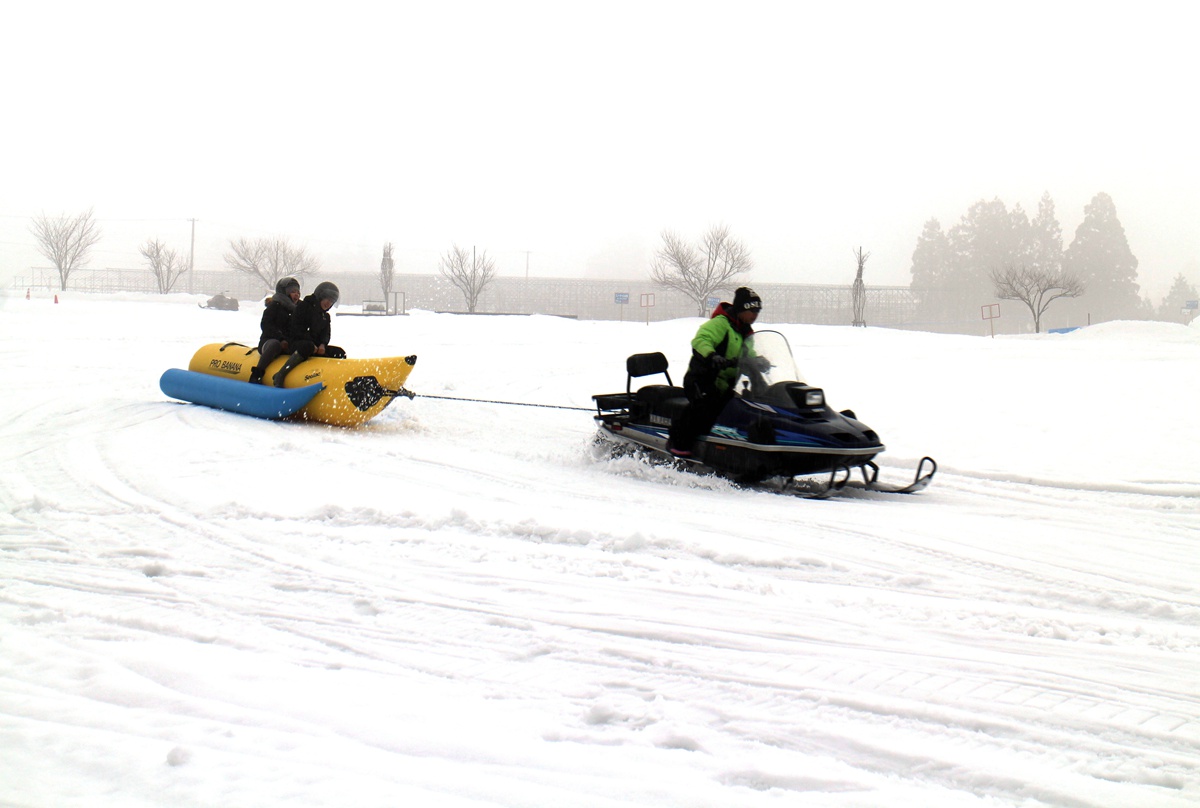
[66,242]
[858,292]
[387,272]
[165,264]
[1036,287]
[470,273]
[270,260]
[699,272]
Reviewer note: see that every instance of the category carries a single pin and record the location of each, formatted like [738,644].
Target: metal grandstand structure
[585,299]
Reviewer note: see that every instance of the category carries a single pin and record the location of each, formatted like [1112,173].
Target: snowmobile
[220,302]
[776,432]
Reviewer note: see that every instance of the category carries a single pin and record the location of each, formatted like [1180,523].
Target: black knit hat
[746,299]
[326,291]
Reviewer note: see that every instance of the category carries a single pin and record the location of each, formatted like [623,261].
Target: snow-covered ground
[459,605]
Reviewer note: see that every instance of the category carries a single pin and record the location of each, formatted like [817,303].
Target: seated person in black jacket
[310,330]
[276,326]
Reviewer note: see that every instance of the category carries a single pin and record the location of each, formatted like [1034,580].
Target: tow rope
[366,391]
[510,403]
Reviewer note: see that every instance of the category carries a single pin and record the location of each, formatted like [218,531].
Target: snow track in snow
[461,605]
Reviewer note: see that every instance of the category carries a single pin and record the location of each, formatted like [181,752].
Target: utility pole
[525,288]
[192,261]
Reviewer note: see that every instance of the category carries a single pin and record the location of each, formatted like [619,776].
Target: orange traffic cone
[56,298]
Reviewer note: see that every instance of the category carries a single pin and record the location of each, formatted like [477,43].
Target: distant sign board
[621,298]
[647,304]
[1192,304]
[712,302]
[991,312]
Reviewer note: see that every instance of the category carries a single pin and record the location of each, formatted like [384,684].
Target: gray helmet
[326,291]
[287,285]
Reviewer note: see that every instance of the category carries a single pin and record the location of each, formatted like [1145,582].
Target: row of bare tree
[719,259]
[697,271]
[67,242]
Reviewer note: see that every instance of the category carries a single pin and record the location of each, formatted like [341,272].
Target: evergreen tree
[1044,251]
[930,271]
[931,259]
[988,238]
[1172,308]
[953,273]
[1101,257]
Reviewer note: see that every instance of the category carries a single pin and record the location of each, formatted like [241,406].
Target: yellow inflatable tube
[356,390]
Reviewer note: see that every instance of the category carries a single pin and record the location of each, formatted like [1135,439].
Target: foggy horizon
[577,138]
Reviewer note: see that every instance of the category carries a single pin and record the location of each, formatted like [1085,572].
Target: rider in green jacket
[713,369]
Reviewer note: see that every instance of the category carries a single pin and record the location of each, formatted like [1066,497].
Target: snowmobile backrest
[645,364]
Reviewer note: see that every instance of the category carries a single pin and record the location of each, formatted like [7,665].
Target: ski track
[955,641]
[751,676]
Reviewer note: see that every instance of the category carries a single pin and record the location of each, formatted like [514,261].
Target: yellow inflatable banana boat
[355,390]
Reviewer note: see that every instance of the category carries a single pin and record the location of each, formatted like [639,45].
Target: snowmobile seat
[651,396]
[636,366]
[662,399]
[646,364]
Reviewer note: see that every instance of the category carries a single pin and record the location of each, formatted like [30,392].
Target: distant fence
[586,299]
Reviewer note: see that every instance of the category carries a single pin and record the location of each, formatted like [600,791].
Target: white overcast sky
[568,135]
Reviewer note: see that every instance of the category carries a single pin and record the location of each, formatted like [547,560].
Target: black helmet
[287,285]
[326,291]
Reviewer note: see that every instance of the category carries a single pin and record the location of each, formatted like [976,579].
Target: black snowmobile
[777,431]
[220,302]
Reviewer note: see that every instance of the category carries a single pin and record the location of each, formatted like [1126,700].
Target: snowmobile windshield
[767,360]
